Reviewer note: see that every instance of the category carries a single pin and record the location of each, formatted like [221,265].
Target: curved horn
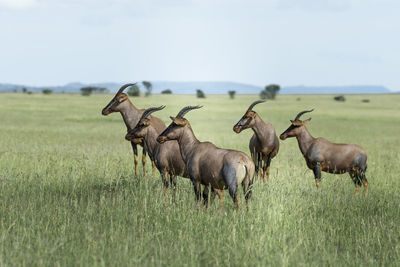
[255,103]
[148,111]
[186,110]
[123,87]
[301,113]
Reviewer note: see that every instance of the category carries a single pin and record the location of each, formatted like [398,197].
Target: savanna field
[68,195]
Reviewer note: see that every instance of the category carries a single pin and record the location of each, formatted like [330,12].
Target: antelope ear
[297,123]
[250,113]
[178,121]
[122,99]
[146,122]
[306,121]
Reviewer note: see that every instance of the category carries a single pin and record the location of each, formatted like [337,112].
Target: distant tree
[200,94]
[24,90]
[166,92]
[264,94]
[273,89]
[86,91]
[47,91]
[148,86]
[339,98]
[270,91]
[100,90]
[232,94]
[29,92]
[134,90]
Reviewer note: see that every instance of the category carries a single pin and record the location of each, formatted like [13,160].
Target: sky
[289,42]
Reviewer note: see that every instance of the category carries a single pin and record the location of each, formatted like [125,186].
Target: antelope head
[248,119]
[175,129]
[140,131]
[296,126]
[119,97]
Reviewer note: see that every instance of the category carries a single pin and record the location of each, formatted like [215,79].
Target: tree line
[269,92]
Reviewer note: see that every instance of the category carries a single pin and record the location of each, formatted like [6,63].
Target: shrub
[133,90]
[200,94]
[339,98]
[270,91]
[86,91]
[166,92]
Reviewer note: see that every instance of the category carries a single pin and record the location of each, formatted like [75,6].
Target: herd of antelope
[175,151]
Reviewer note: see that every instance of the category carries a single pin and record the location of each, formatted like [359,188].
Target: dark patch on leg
[266,167]
[172,180]
[317,173]
[135,157]
[164,178]
[205,195]
[230,179]
[196,188]
[213,194]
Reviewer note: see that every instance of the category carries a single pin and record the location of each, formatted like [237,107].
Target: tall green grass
[68,195]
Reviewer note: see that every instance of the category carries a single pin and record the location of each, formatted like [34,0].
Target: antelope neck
[130,114]
[305,139]
[151,140]
[187,141]
[259,127]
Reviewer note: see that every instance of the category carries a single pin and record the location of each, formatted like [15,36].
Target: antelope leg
[135,158]
[317,174]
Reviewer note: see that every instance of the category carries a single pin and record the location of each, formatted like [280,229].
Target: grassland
[68,196]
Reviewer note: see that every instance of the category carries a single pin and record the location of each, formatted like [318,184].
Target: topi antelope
[131,115]
[208,164]
[264,144]
[322,155]
[166,156]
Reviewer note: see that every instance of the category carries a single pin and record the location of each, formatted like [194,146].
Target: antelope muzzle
[237,128]
[105,112]
[132,138]
[162,139]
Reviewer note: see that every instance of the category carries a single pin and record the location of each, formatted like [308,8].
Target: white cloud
[18,3]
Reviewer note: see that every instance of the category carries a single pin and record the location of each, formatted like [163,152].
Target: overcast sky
[290,42]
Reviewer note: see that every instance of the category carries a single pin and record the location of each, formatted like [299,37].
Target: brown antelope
[167,156]
[208,164]
[131,115]
[322,155]
[264,144]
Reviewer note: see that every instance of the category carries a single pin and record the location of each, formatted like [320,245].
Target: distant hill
[68,88]
[207,87]
[354,89]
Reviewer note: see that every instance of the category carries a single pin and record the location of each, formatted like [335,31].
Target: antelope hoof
[357,190]
[365,192]
[317,183]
